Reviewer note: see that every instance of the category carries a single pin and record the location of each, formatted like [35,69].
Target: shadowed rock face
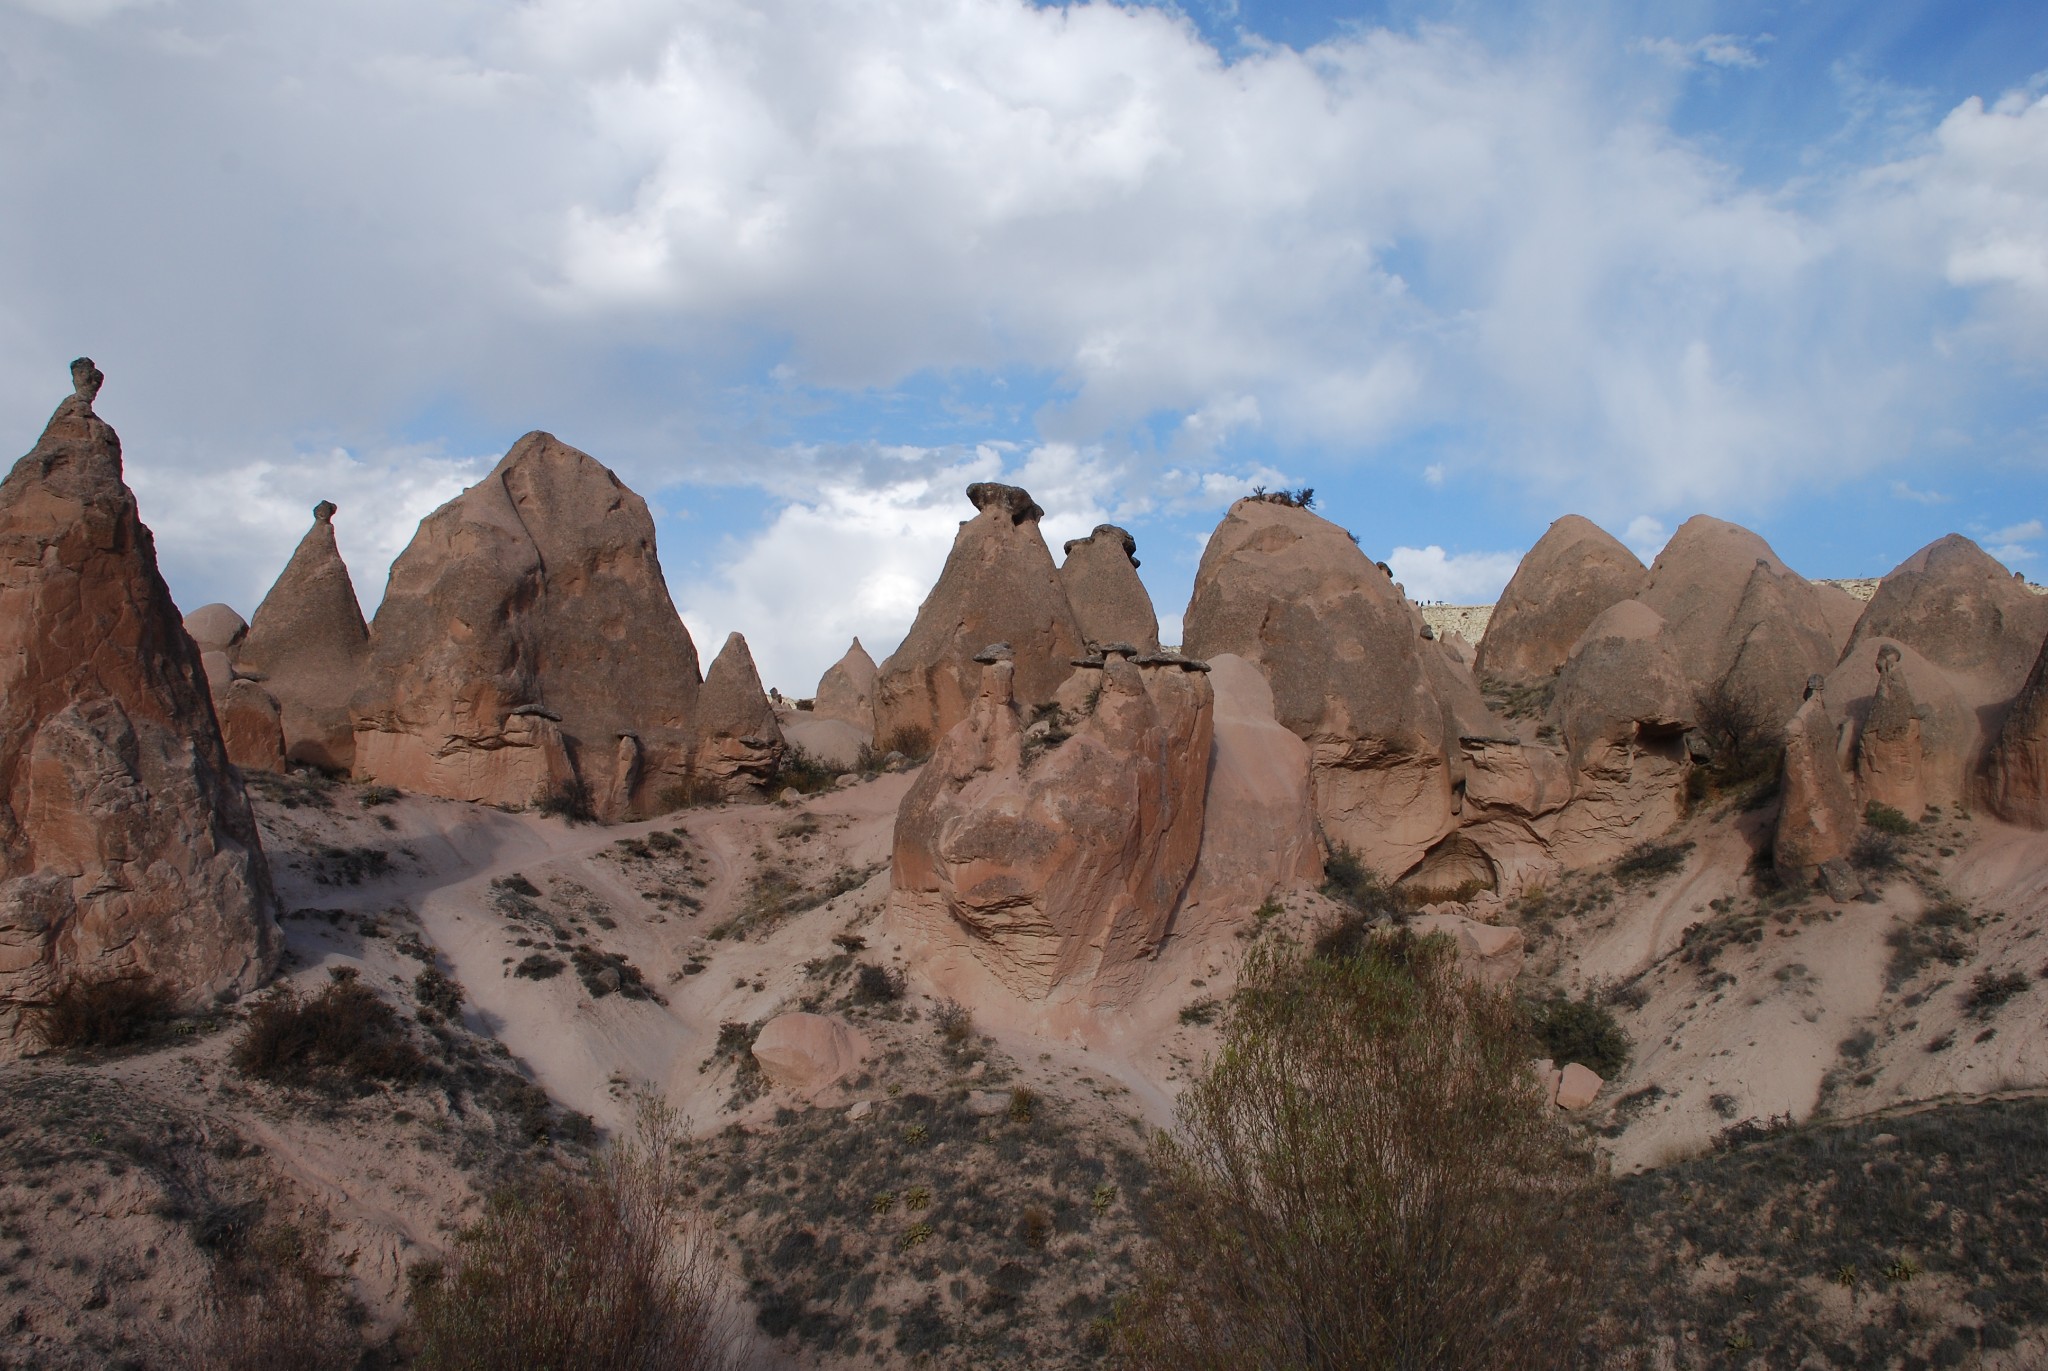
[846,691]
[525,629]
[1738,618]
[1913,741]
[998,586]
[1059,861]
[2016,780]
[126,843]
[307,645]
[1290,592]
[1817,814]
[739,747]
[1575,571]
[1100,577]
[1961,610]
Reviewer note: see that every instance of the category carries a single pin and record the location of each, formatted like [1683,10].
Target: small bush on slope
[598,1274]
[344,1035]
[1366,1176]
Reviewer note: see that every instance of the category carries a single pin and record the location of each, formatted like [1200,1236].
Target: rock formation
[127,848]
[307,645]
[1100,577]
[739,746]
[1890,760]
[1575,571]
[846,691]
[999,586]
[1817,814]
[1740,621]
[525,630]
[2016,779]
[1059,859]
[251,726]
[1290,592]
[1958,608]
[807,1052]
[218,632]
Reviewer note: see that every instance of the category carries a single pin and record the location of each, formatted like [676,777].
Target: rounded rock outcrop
[1100,577]
[1576,570]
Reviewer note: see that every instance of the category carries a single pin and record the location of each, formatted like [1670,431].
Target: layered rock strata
[127,847]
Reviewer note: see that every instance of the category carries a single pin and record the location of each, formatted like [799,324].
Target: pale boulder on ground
[127,848]
[1576,571]
[307,645]
[739,744]
[807,1052]
[999,585]
[846,692]
[525,630]
[1577,1086]
[1100,577]
[1817,814]
[1291,593]
[1486,952]
[1059,863]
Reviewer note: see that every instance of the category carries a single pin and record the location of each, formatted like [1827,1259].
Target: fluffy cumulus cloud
[691,238]
[1431,575]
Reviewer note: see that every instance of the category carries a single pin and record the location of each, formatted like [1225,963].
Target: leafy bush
[876,985]
[1582,1031]
[342,1035]
[1993,988]
[1745,749]
[563,1271]
[914,741]
[806,774]
[539,966]
[1649,861]
[1885,819]
[101,1014]
[953,1020]
[1875,850]
[1297,1224]
[569,801]
[436,992]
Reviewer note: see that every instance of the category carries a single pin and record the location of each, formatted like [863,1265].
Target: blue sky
[800,269]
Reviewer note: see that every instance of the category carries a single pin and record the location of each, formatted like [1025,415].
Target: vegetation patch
[1582,1030]
[344,1037]
[102,1014]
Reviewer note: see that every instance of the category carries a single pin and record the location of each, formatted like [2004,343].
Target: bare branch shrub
[1366,1175]
[605,1273]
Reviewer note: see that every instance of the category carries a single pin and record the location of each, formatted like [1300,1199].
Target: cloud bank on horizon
[800,269]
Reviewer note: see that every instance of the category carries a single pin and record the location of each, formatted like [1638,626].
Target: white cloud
[1434,474]
[1920,497]
[1462,578]
[1715,50]
[2025,532]
[1646,537]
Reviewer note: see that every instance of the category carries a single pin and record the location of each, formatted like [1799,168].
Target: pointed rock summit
[1956,606]
[307,646]
[846,691]
[999,586]
[524,631]
[127,848]
[1576,570]
[1100,577]
[739,747]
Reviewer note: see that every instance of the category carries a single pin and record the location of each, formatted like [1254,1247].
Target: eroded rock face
[739,745]
[1576,570]
[1889,750]
[1059,861]
[999,586]
[127,848]
[1912,741]
[1817,814]
[1100,577]
[1290,592]
[526,629]
[1956,606]
[307,645]
[846,691]
[251,726]
[2016,779]
[1738,619]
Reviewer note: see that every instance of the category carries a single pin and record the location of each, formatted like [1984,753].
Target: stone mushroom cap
[308,643]
[127,846]
[1576,570]
[1100,577]
[999,584]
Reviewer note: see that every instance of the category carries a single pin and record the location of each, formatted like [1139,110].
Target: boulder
[251,726]
[1956,606]
[1623,680]
[525,629]
[1739,621]
[1059,858]
[216,628]
[739,744]
[999,586]
[1258,822]
[1486,952]
[1577,1086]
[2016,779]
[846,692]
[1817,813]
[1340,645]
[307,645]
[127,846]
[1576,570]
[807,1052]
[1923,746]
[1100,577]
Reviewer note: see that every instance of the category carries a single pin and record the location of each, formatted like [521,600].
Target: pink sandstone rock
[808,1052]
[1575,571]
[307,644]
[1577,1087]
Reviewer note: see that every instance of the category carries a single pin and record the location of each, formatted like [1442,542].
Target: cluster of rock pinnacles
[1087,792]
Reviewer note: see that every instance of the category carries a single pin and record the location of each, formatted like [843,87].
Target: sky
[799,270]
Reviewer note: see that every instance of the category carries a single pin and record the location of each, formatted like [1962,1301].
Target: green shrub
[913,741]
[1991,989]
[1582,1031]
[1649,861]
[806,774]
[343,1035]
[101,1014]
[876,985]
[436,992]
[538,966]
[1885,819]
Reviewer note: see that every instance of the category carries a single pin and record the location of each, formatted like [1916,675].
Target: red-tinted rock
[1576,570]
[1100,577]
